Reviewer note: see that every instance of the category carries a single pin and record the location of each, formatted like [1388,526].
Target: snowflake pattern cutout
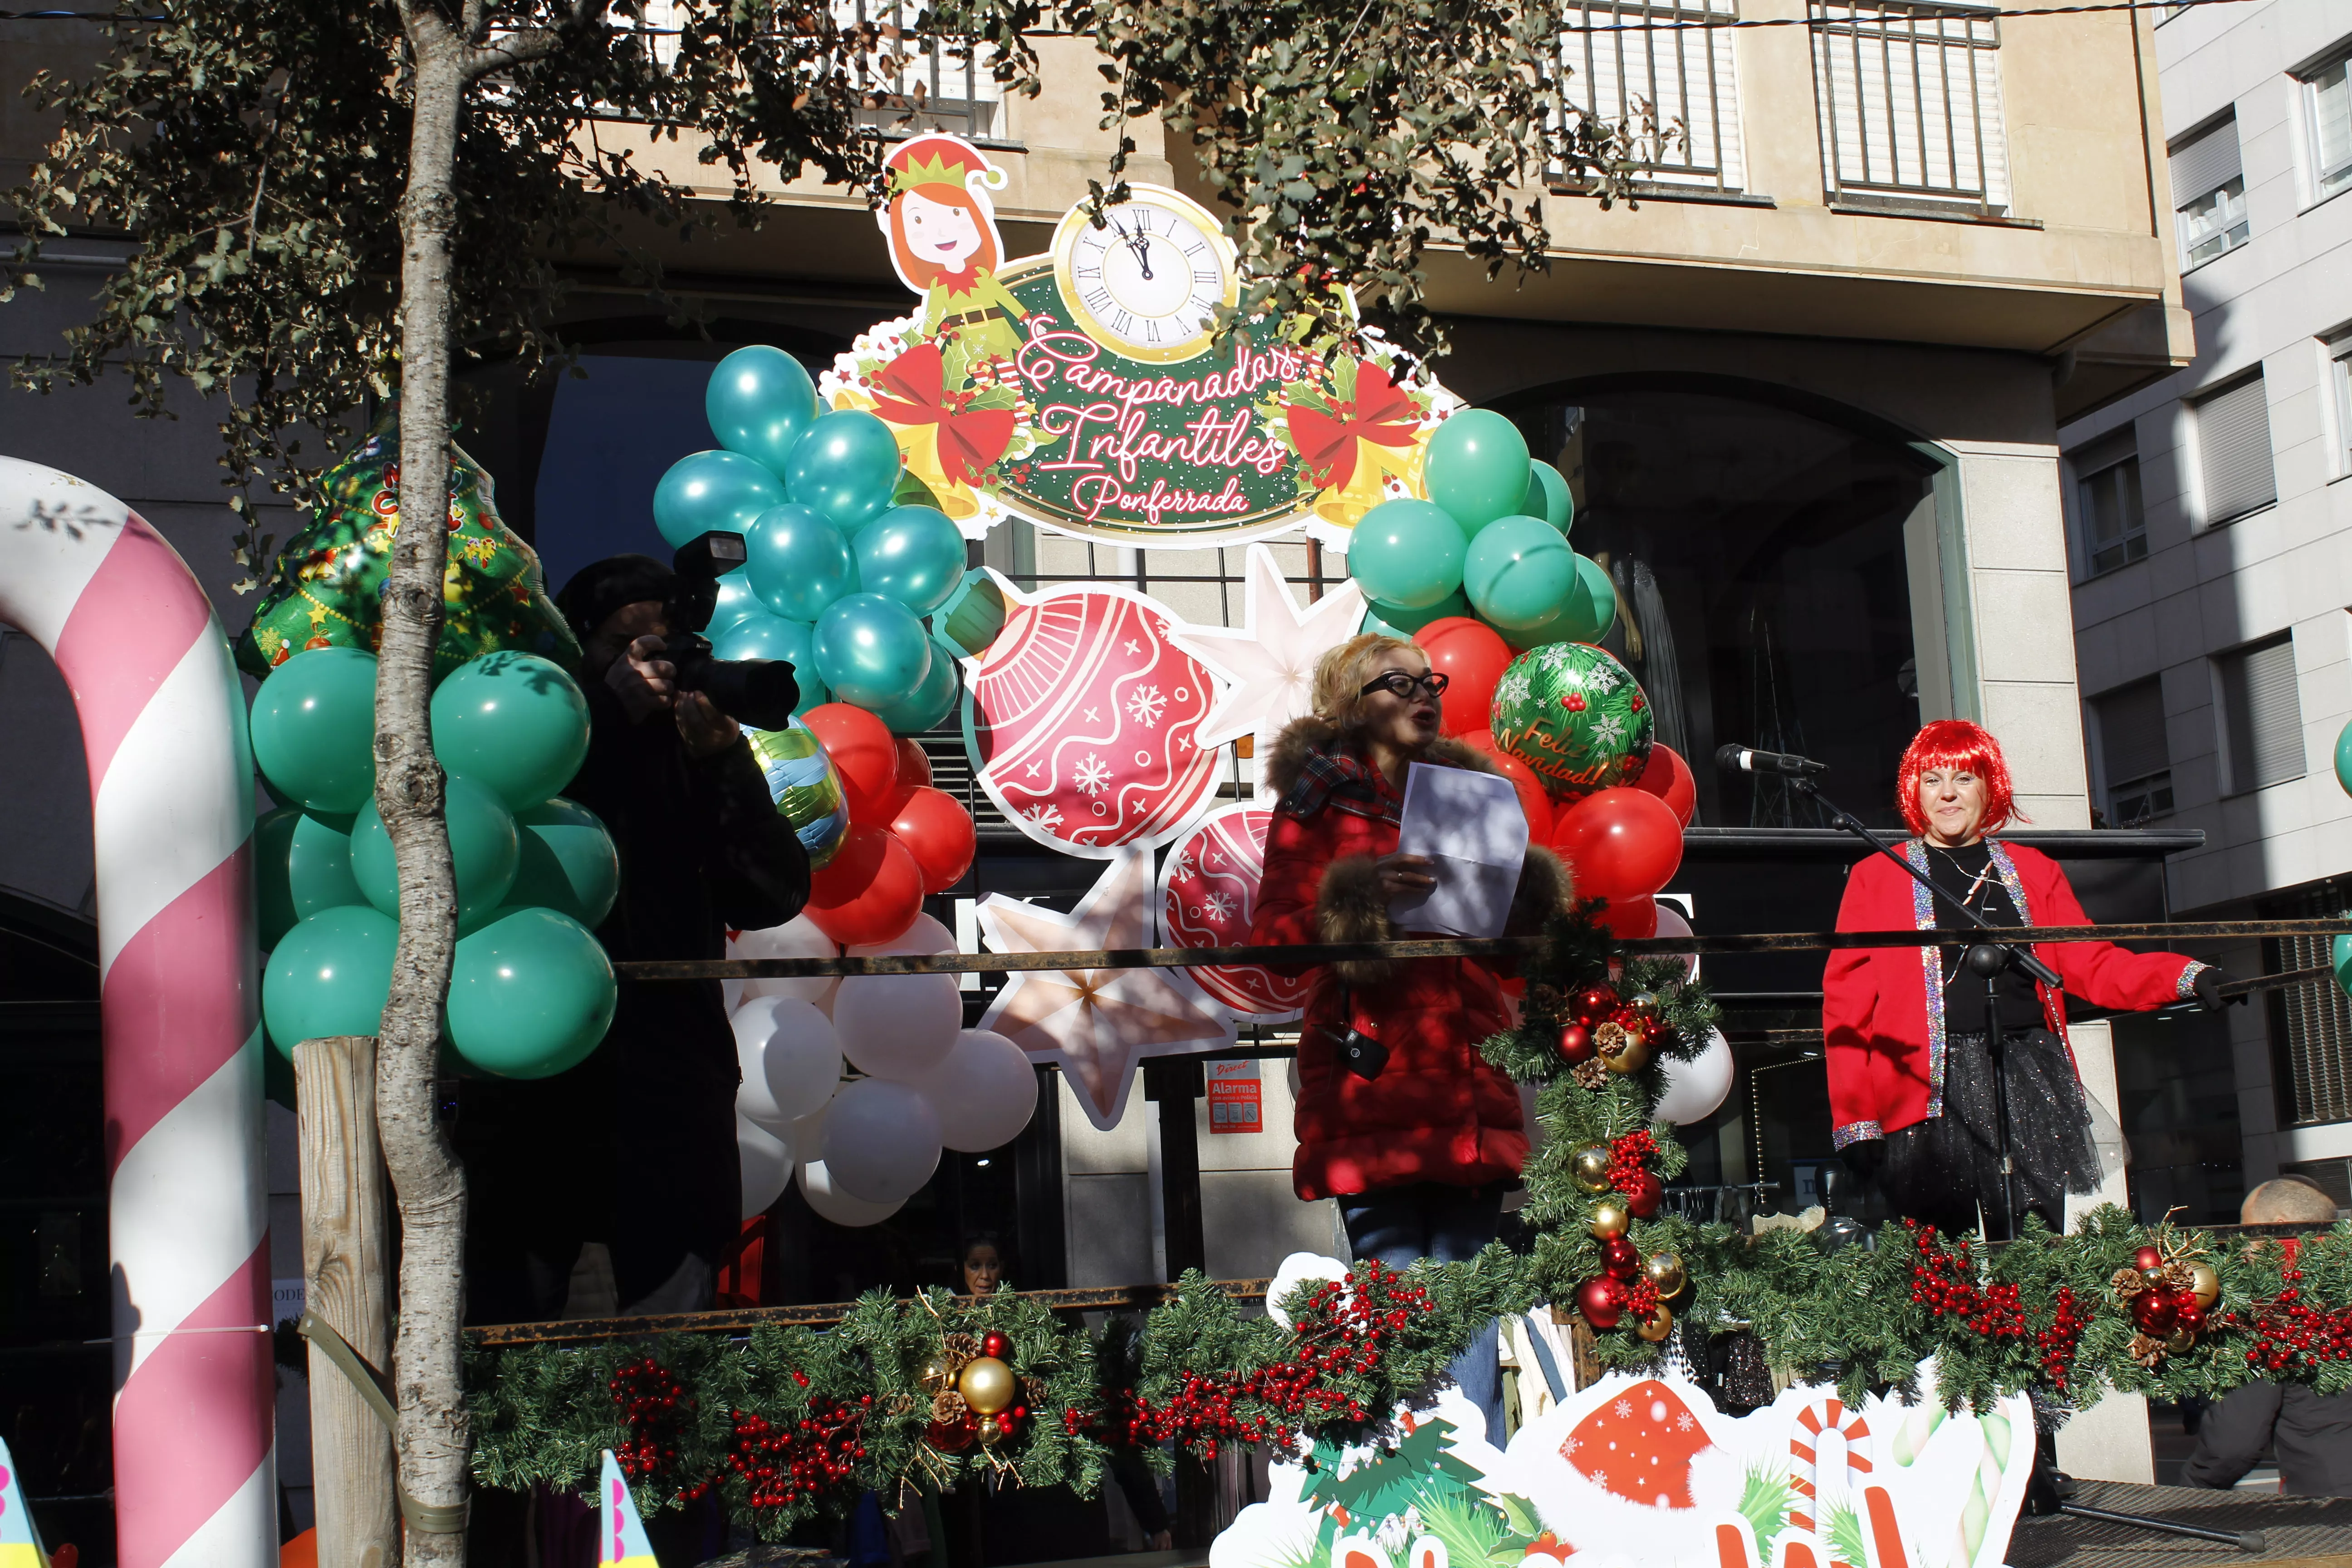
[1218,907]
[1093,775]
[1045,815]
[1145,706]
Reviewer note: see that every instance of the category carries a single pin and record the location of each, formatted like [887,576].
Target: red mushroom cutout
[1639,1446]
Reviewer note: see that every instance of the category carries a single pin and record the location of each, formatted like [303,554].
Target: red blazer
[1883,1008]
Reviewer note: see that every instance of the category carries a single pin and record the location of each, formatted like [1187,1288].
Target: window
[2208,190]
[2233,451]
[2327,100]
[2339,376]
[1909,98]
[2106,478]
[1622,55]
[2134,760]
[2311,1024]
[2264,714]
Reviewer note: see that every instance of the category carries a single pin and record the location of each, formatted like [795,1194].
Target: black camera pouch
[1360,1053]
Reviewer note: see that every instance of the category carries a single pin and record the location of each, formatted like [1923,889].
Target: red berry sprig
[2290,1334]
[654,1405]
[2058,1341]
[1630,1157]
[1944,1281]
[785,1465]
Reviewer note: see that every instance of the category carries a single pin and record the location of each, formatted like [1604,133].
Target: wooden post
[346,1275]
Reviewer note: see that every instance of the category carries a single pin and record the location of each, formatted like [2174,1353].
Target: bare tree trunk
[432,1438]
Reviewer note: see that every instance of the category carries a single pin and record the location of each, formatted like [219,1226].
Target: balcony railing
[1909,97]
[1627,56]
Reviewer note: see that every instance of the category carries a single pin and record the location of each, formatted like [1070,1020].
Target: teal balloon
[302,866]
[313,729]
[871,650]
[845,467]
[763,635]
[736,602]
[329,975]
[483,847]
[1548,496]
[1406,553]
[1518,571]
[800,561]
[513,722]
[2344,758]
[761,402]
[1393,620]
[1593,605]
[566,862]
[712,490]
[1477,469]
[931,702]
[530,995]
[912,555]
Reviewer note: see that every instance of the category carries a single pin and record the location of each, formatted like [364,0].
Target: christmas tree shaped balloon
[620,1535]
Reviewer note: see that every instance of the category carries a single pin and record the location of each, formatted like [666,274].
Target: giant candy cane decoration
[171,785]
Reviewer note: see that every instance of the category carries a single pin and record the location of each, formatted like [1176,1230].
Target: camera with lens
[761,692]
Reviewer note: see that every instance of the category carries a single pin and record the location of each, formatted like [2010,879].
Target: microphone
[1736,758]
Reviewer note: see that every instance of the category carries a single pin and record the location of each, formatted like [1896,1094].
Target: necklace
[1968,900]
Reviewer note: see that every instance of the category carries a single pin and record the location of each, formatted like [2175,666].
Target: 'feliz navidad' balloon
[1576,716]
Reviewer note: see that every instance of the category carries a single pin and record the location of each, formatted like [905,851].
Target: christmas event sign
[1088,391]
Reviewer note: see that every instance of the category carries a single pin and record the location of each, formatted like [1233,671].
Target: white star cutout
[1271,657]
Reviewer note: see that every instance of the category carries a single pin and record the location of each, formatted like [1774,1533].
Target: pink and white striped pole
[171,784]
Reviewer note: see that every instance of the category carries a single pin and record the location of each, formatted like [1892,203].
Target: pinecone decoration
[1589,1075]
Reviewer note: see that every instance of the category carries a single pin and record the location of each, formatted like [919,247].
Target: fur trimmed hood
[1302,737]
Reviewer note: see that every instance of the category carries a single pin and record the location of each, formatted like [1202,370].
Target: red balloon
[937,831]
[1669,778]
[1472,658]
[1629,919]
[865,753]
[1623,843]
[1532,798]
[870,893]
[914,764]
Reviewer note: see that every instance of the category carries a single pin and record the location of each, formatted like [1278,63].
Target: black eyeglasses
[1397,683]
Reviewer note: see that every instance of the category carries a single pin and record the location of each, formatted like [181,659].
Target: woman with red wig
[1912,1093]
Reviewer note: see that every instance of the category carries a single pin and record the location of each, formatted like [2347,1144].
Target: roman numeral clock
[1148,281]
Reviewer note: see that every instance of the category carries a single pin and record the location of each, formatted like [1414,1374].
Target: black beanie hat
[601,587]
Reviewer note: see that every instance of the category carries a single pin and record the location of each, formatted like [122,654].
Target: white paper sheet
[1471,825]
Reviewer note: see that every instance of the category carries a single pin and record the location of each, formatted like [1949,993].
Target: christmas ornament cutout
[1096,1022]
[620,1534]
[19,1546]
[1270,658]
[1208,893]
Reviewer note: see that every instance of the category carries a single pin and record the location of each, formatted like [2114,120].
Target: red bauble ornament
[1621,1257]
[2154,1312]
[1602,1302]
[2147,1257]
[951,1436]
[994,1343]
[1592,1004]
[2186,1312]
[1644,1194]
[1575,1044]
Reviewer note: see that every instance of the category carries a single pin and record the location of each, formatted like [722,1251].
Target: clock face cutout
[1148,282]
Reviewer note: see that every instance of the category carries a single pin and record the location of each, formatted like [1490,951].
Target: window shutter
[2107,451]
[2233,442]
[2131,733]
[2265,716]
[2206,164]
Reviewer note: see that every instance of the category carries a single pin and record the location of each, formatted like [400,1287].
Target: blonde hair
[1339,674]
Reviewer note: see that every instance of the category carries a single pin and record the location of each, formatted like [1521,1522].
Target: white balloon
[1671,924]
[985,1092]
[767,1167]
[830,1203]
[796,938]
[924,938]
[790,1060]
[897,1026]
[881,1140]
[1696,1088]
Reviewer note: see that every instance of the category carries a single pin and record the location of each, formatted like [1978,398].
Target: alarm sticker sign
[1236,1098]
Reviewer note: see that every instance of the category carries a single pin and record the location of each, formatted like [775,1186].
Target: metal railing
[1909,98]
[1623,57]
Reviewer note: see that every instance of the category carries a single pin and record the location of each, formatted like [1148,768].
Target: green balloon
[929,703]
[530,995]
[1407,553]
[912,555]
[301,864]
[329,975]
[483,845]
[1518,571]
[763,635]
[2344,758]
[1591,607]
[1548,496]
[871,650]
[737,603]
[706,491]
[567,862]
[313,729]
[759,401]
[1576,716]
[1477,469]
[513,722]
[2341,954]
[1395,621]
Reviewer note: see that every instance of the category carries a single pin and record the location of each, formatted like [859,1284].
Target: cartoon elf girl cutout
[943,241]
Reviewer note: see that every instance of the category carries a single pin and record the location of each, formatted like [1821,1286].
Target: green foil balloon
[1518,571]
[912,555]
[712,490]
[313,730]
[329,975]
[806,788]
[483,845]
[1406,553]
[566,862]
[1477,469]
[302,866]
[1395,621]
[846,467]
[513,722]
[761,402]
[871,650]
[1576,716]
[1548,496]
[763,635]
[931,702]
[530,995]
[800,562]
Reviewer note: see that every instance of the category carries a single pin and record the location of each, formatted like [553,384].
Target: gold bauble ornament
[1645,1002]
[1591,1165]
[934,1373]
[2152,1278]
[2178,1342]
[1624,1051]
[1658,1325]
[1609,1218]
[986,1385]
[2205,1283]
[1666,1272]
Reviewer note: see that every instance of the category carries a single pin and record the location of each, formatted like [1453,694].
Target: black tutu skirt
[1941,1170]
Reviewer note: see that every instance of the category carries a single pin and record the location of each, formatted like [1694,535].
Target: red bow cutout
[969,440]
[1382,413]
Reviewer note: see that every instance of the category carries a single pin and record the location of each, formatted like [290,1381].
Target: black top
[1969,876]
